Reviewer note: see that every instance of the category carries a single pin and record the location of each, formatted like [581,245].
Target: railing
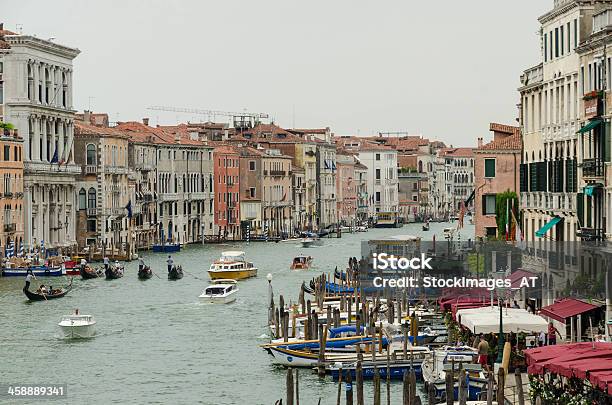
[92,212]
[198,196]
[91,169]
[592,168]
[145,167]
[10,227]
[8,194]
[46,167]
[115,211]
[168,196]
[278,173]
[590,234]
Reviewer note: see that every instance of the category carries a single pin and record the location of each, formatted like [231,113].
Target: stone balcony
[198,196]
[38,167]
[168,196]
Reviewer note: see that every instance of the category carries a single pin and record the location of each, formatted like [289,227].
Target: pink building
[496,170]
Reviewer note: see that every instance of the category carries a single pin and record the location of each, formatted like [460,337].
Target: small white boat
[78,326]
[449,233]
[361,228]
[310,242]
[222,291]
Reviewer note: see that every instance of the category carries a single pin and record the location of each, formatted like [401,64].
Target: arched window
[91,198]
[82,199]
[91,154]
[420,166]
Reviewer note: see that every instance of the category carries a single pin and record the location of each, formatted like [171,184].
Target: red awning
[566,308]
[580,360]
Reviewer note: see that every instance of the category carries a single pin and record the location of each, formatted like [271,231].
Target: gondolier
[29,277]
[106,263]
[170,263]
[141,263]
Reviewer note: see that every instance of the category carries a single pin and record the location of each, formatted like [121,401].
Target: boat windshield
[215,291]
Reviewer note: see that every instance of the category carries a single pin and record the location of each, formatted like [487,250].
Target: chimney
[87,116]
[1,26]
[145,121]
[480,142]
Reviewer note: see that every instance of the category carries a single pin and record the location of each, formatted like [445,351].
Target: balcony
[145,167]
[8,194]
[41,167]
[198,196]
[592,168]
[91,169]
[92,212]
[168,197]
[590,234]
[116,212]
[10,228]
[278,173]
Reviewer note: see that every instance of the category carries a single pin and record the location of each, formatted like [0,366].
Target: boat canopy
[232,255]
[486,320]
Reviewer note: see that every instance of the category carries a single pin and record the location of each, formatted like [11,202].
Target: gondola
[176,273]
[145,273]
[114,273]
[89,272]
[33,296]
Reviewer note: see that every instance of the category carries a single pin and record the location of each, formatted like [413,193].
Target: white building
[37,98]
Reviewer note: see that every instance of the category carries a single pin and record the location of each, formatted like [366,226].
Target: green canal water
[156,344]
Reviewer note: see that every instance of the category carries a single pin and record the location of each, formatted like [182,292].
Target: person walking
[483,353]
[552,334]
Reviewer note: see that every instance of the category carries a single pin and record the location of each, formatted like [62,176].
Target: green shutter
[533,177]
[523,178]
[606,138]
[580,208]
[588,211]
[489,167]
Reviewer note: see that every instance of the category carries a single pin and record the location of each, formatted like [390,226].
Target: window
[252,192]
[550,39]
[91,154]
[575,32]
[251,165]
[82,199]
[91,198]
[569,38]
[556,42]
[545,48]
[562,36]
[377,174]
[491,231]
[1,92]
[414,198]
[91,225]
[378,196]
[488,204]
[7,153]
[378,156]
[489,168]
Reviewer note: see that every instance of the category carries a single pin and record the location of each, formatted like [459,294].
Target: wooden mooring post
[518,378]
[501,383]
[338,398]
[349,388]
[376,385]
[463,394]
[359,381]
[290,389]
[490,388]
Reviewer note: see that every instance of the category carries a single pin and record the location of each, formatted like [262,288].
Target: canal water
[156,344]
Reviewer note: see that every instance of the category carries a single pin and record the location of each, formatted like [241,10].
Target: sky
[442,69]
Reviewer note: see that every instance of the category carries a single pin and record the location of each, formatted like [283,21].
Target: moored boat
[176,273]
[145,273]
[232,265]
[222,291]
[166,247]
[301,262]
[78,326]
[38,271]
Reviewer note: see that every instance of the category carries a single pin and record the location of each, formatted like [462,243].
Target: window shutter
[523,178]
[484,205]
[580,208]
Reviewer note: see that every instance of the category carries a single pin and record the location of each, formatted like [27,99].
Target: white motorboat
[222,291]
[361,228]
[78,326]
[442,360]
[311,241]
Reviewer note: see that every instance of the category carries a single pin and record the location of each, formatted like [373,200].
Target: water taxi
[232,265]
[78,326]
[301,262]
[388,220]
[222,291]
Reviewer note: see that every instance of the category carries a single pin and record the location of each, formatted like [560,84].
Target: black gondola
[114,273]
[145,273]
[426,226]
[176,273]
[33,296]
[89,273]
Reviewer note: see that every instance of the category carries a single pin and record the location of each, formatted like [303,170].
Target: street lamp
[501,340]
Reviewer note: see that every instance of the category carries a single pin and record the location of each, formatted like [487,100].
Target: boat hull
[37,271]
[219,300]
[395,372]
[79,332]
[232,274]
[166,248]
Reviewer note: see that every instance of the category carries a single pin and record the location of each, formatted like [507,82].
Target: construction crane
[240,120]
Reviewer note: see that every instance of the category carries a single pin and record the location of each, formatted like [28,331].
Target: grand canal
[156,343]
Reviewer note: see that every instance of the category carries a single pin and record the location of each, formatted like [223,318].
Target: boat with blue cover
[166,248]
[38,271]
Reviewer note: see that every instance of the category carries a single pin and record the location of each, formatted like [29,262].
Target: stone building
[37,98]
[251,179]
[361,176]
[496,169]
[103,189]
[11,191]
[277,200]
[410,183]
[346,188]
[183,178]
[453,181]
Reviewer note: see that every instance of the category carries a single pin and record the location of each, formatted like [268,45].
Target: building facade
[227,191]
[346,188]
[11,192]
[277,196]
[497,170]
[37,98]
[251,178]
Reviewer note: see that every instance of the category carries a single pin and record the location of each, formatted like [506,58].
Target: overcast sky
[443,69]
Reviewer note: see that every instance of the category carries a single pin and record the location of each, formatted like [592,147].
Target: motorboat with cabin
[232,265]
[221,291]
[301,262]
[77,326]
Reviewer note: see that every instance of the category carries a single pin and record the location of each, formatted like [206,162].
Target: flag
[520,239]
[55,159]
[128,207]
